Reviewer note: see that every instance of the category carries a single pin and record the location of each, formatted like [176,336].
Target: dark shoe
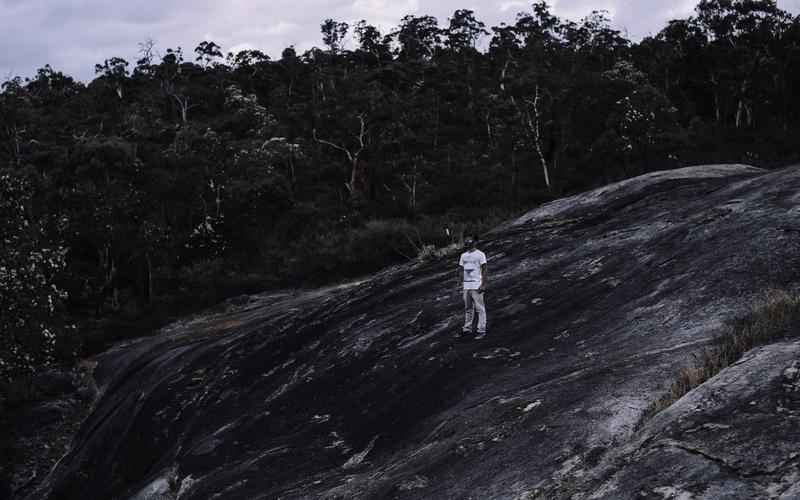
[480,335]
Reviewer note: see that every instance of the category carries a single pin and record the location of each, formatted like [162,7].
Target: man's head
[471,241]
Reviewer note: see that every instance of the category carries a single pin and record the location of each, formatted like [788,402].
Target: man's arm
[484,277]
[460,272]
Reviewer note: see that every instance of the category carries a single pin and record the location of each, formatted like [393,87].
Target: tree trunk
[538,139]
[292,177]
[413,189]
[410,183]
[742,108]
[715,86]
[514,178]
[489,128]
[150,287]
[436,127]
[359,180]
[739,110]
[109,287]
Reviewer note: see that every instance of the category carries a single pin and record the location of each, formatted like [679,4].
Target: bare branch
[361,134]
[270,141]
[503,75]
[335,146]
[533,127]
[355,170]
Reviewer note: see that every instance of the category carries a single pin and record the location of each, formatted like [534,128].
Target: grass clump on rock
[774,318]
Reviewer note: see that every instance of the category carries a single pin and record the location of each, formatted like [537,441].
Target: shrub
[31,264]
[382,241]
[430,252]
[776,316]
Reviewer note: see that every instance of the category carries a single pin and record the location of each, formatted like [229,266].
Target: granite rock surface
[362,391]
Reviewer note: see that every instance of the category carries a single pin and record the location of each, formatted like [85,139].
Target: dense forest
[169,183]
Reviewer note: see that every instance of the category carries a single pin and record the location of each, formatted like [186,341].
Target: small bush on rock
[773,318]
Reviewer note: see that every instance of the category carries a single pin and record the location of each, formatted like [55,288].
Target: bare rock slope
[361,391]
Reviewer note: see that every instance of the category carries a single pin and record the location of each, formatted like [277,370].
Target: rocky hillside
[362,391]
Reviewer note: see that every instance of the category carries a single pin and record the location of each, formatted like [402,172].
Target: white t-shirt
[471,261]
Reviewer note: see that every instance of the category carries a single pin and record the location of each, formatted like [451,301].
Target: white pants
[473,300]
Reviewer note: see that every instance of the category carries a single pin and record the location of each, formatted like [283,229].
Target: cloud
[681,9]
[281,28]
[513,4]
[382,9]
[578,9]
[242,46]
[383,14]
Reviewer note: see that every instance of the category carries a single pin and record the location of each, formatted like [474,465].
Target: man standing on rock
[473,276]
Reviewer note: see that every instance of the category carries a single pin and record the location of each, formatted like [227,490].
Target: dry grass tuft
[775,317]
[431,252]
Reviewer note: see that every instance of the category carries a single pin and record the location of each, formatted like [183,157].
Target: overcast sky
[73,35]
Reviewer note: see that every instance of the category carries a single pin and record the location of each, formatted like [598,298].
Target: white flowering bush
[248,107]
[640,115]
[208,238]
[30,321]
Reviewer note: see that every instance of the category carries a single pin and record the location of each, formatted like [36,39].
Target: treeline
[179,179]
